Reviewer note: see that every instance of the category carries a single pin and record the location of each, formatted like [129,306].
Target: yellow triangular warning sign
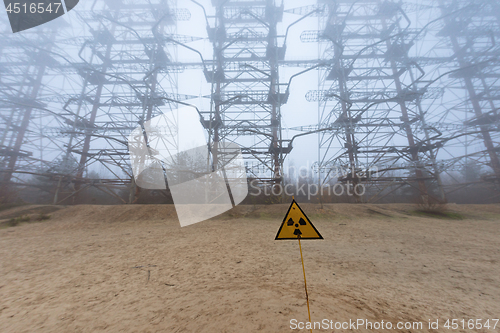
[296,224]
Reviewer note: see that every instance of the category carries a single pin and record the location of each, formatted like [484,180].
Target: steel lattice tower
[126,80]
[370,101]
[246,96]
[115,76]
[27,65]
[471,30]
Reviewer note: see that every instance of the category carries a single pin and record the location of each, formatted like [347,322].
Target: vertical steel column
[245,98]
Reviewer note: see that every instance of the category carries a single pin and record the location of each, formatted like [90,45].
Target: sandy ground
[134,269]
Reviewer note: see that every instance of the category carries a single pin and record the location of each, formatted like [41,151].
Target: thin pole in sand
[305,282]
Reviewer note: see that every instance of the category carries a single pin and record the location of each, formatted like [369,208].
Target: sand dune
[134,269]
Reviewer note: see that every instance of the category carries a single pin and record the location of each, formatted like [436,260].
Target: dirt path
[134,269]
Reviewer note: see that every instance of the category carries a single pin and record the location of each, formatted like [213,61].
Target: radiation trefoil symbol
[291,223]
[26,14]
[171,149]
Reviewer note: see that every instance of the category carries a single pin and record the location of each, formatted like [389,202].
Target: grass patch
[33,211]
[376,212]
[440,214]
[17,220]
[42,217]
[266,215]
